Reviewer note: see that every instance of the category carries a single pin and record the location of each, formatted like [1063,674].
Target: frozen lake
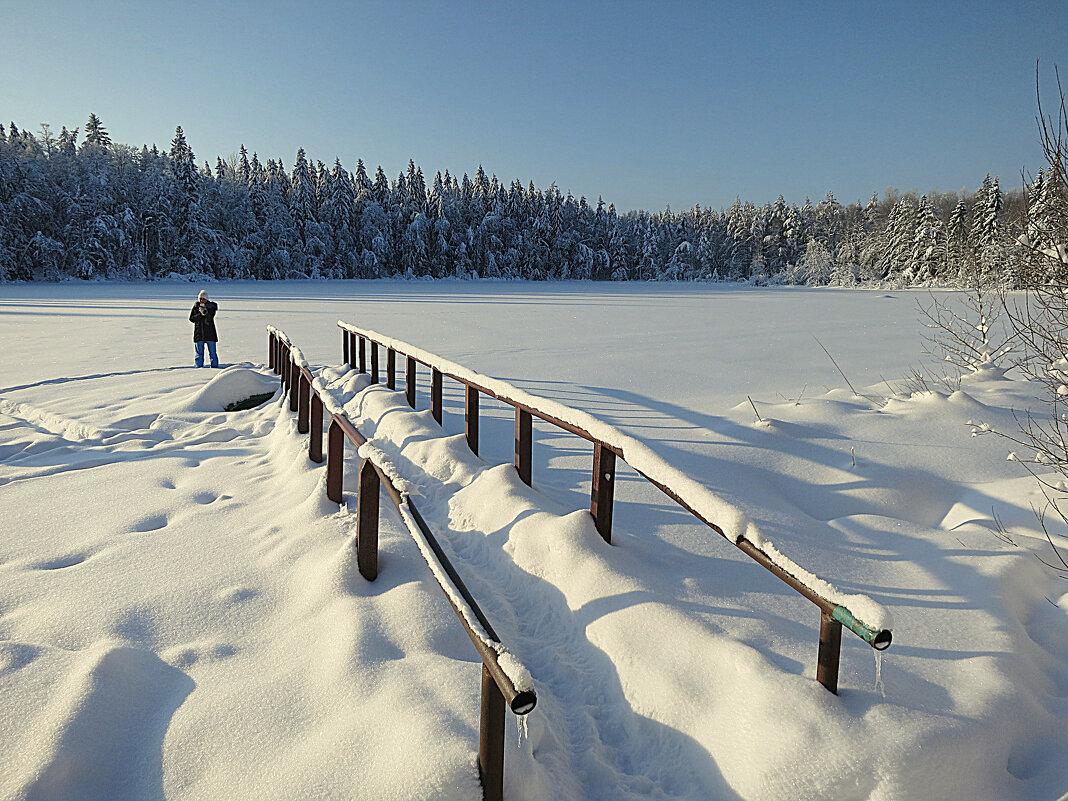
[696,346]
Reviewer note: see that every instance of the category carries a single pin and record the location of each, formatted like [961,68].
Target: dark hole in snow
[250,402]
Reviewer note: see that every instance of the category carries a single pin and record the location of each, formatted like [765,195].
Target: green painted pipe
[879,639]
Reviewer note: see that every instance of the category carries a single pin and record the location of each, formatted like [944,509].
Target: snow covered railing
[504,679]
[858,613]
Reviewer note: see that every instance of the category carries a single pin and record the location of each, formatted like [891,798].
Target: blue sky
[647,104]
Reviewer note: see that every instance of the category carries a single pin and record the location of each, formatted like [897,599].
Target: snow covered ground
[180,614]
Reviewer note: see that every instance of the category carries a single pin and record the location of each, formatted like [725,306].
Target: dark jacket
[204,323]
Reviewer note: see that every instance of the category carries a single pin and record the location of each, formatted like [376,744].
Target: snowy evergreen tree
[95,134]
[928,260]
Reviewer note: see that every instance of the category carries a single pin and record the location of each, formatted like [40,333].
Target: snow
[730,521]
[181,615]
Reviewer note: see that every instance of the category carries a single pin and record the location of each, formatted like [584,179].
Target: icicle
[879,686]
[522,730]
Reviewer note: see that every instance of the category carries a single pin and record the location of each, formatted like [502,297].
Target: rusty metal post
[303,398]
[367,521]
[830,652]
[409,380]
[363,355]
[391,368]
[435,394]
[603,493]
[374,362]
[491,739]
[270,350]
[352,350]
[282,375]
[524,445]
[471,418]
[294,379]
[315,443]
[344,346]
[335,458]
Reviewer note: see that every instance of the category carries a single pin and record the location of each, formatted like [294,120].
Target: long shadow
[579,686]
[130,697]
[727,574]
[967,593]
[66,380]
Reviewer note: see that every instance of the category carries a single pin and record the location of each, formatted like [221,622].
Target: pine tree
[95,133]
[928,245]
[900,232]
[193,241]
[244,170]
[986,229]
[380,188]
[183,164]
[67,143]
[959,247]
[302,196]
[360,179]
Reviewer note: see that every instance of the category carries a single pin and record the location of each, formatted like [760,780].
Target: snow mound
[229,386]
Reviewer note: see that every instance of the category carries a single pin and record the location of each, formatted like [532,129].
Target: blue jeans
[199,360]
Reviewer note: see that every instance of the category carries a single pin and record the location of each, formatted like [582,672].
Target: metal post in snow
[391,368]
[363,355]
[270,350]
[315,442]
[367,521]
[435,394]
[409,380]
[335,458]
[829,653]
[303,398]
[524,445]
[344,346]
[294,372]
[374,362]
[603,492]
[491,739]
[471,418]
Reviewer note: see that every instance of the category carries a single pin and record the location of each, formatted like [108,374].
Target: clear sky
[646,104]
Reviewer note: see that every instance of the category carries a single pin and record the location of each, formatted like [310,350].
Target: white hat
[203,293]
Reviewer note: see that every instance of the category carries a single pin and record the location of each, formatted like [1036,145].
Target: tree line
[97,209]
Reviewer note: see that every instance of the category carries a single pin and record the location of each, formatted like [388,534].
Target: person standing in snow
[203,319]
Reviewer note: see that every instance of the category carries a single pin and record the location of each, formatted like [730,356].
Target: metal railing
[356,342]
[498,688]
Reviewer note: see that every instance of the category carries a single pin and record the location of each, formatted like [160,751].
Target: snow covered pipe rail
[504,679]
[867,619]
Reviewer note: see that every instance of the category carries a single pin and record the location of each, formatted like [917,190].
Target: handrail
[833,615]
[498,687]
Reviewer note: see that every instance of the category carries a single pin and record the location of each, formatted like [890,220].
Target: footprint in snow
[16,655]
[61,562]
[184,656]
[237,594]
[147,524]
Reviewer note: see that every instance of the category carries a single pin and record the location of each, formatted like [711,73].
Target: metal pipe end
[882,640]
[524,702]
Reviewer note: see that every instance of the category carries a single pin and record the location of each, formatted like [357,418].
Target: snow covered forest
[98,209]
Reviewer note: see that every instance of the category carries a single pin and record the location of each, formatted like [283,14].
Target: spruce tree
[95,133]
[302,197]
